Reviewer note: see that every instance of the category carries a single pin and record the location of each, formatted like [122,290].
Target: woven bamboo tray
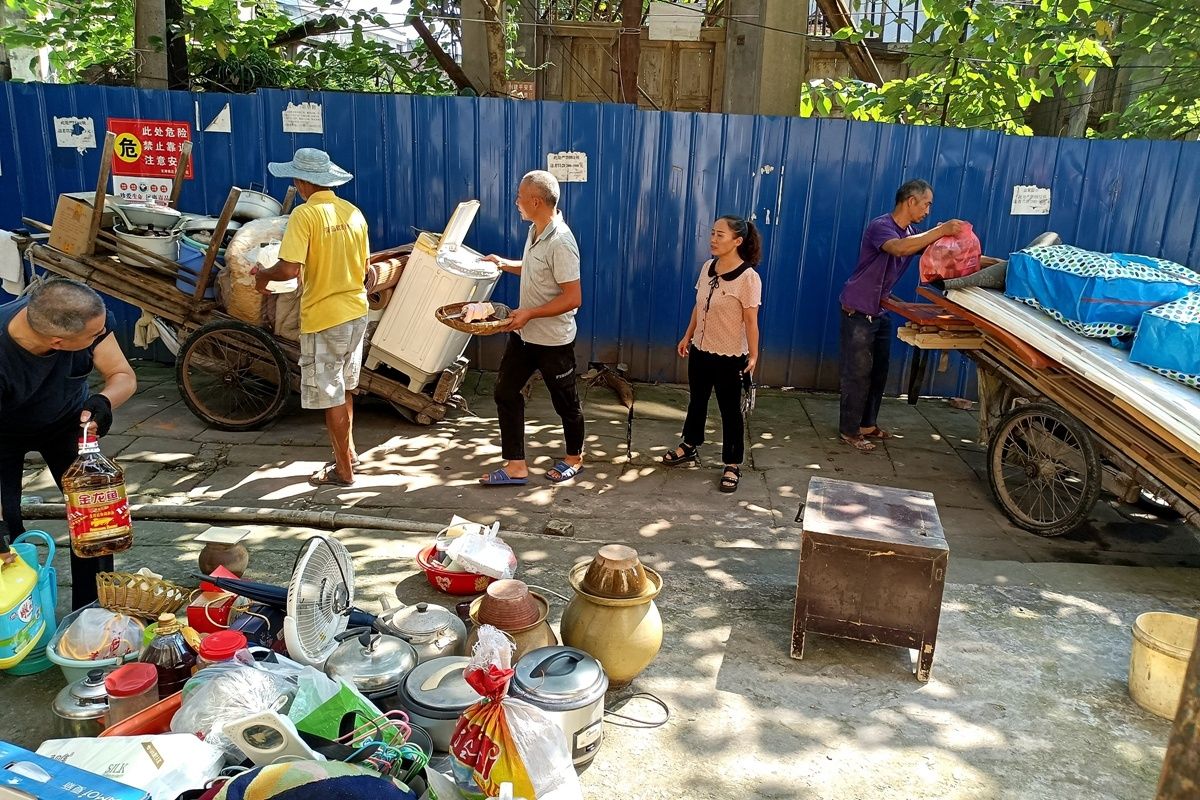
[139,595]
[451,315]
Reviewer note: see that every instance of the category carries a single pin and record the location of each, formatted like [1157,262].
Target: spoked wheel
[232,375]
[1043,469]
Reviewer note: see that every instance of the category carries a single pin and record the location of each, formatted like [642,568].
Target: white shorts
[330,363]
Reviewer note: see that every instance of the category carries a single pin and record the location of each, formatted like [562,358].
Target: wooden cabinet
[872,567]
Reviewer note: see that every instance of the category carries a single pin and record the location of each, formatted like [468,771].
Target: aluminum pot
[373,663]
[149,215]
[433,630]
[253,204]
[82,707]
[435,694]
[569,685]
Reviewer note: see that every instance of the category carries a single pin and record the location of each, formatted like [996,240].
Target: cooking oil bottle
[171,655]
[97,506]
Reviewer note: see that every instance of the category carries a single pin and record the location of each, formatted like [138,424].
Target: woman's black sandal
[730,478]
[673,458]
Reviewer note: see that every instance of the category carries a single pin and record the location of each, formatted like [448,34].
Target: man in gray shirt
[542,333]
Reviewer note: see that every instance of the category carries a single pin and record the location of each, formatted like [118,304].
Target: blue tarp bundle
[1095,294]
[1168,340]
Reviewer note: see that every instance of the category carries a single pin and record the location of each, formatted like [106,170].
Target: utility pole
[150,44]
[629,49]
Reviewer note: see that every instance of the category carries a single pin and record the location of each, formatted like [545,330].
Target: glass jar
[220,647]
[171,655]
[131,688]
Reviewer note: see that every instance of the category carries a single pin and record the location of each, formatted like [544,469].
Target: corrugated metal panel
[655,182]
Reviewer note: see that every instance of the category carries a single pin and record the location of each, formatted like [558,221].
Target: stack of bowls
[510,606]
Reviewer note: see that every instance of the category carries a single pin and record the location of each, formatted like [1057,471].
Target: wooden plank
[218,236]
[101,198]
[1028,354]
[185,157]
[939,340]
[289,199]
[860,58]
[926,314]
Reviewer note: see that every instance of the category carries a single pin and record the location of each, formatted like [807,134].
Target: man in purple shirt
[888,245]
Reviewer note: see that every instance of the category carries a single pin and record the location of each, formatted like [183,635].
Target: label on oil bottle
[97,511]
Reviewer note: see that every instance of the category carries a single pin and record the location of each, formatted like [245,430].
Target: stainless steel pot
[82,707]
[435,694]
[373,663]
[148,215]
[569,685]
[433,630]
[253,204]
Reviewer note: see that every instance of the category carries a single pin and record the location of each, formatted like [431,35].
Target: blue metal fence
[655,182]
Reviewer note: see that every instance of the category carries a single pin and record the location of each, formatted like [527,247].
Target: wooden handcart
[233,375]
[1057,431]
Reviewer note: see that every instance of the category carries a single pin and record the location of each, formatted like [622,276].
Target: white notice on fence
[1031,201]
[221,122]
[568,167]
[77,132]
[678,22]
[303,118]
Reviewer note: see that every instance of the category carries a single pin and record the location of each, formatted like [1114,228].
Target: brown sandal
[328,476]
[877,433]
[859,443]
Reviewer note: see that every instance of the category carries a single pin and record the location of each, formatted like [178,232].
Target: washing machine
[440,271]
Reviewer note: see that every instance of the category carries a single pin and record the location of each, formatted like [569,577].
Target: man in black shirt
[50,341]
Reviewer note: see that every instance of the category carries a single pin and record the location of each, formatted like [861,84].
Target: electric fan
[319,597]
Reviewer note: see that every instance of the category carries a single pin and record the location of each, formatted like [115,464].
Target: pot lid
[560,674]
[422,620]
[372,662]
[439,685]
[84,699]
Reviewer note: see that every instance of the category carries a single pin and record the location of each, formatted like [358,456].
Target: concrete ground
[1028,697]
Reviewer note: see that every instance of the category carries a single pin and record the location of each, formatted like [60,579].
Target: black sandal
[730,478]
[673,459]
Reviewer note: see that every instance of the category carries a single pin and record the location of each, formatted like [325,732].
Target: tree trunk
[5,66]
[493,12]
[149,42]
[1180,779]
[178,73]
[630,49]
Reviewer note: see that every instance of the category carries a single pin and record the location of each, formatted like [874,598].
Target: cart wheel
[232,375]
[1043,469]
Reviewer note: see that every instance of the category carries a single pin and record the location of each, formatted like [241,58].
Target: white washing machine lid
[465,263]
[460,222]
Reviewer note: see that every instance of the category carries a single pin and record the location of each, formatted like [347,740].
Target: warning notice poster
[146,153]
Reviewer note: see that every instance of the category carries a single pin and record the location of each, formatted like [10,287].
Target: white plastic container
[72,669]
[1162,647]
[440,271]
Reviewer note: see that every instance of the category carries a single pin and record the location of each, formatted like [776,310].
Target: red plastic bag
[951,256]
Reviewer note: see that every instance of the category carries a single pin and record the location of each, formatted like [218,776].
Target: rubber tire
[273,352]
[1091,477]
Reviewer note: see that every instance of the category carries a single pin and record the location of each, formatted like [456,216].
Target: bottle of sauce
[97,507]
[171,655]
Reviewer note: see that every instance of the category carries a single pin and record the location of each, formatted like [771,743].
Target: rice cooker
[435,694]
[569,685]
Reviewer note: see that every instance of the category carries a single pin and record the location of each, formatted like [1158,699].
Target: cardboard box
[27,775]
[72,226]
[110,201]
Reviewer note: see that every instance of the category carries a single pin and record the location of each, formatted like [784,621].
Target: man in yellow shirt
[325,244]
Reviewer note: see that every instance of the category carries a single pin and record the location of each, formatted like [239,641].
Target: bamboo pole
[218,236]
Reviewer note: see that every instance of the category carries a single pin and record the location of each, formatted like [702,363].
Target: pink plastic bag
[951,256]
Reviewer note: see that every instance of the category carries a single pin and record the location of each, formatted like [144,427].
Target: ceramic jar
[623,633]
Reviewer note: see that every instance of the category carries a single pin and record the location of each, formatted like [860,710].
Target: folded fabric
[1095,294]
[314,780]
[1168,340]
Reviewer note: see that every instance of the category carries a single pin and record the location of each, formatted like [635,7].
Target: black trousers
[708,372]
[866,350]
[59,446]
[557,365]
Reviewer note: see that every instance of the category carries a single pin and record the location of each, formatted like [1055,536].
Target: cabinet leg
[924,661]
[797,643]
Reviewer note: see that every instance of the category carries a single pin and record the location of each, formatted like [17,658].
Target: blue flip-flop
[565,472]
[502,478]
